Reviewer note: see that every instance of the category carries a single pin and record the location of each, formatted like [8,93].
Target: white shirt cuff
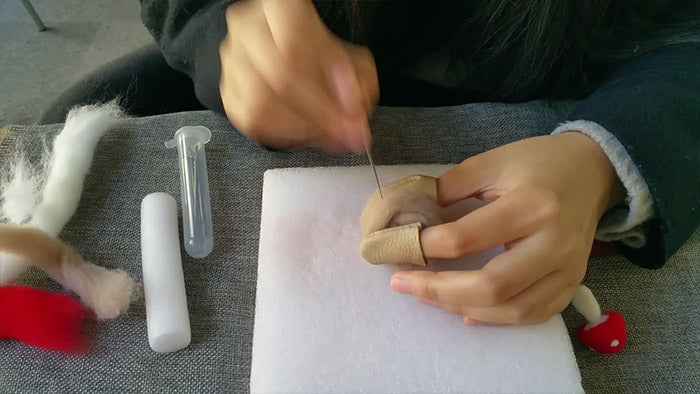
[622,223]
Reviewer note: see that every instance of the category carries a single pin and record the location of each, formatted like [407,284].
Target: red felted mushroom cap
[608,336]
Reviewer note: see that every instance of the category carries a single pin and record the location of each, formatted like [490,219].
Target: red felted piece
[44,320]
[608,337]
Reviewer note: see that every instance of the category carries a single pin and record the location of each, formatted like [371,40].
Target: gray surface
[661,307]
[81,36]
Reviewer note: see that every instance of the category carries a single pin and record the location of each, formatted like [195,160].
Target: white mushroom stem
[585,303]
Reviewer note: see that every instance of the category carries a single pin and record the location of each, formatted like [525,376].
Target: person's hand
[545,196]
[288,82]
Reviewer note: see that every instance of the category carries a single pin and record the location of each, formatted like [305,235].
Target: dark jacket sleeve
[652,106]
[189,33]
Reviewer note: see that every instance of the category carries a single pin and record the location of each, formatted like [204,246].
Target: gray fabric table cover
[661,307]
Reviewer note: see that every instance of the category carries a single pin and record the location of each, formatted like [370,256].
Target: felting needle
[368,144]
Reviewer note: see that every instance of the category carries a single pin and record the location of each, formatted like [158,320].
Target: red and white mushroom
[603,332]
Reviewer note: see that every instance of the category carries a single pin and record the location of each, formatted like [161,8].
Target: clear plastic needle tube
[194,189]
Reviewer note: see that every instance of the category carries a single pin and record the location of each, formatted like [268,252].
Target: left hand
[545,197]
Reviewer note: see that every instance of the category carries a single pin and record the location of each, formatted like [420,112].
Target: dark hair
[515,48]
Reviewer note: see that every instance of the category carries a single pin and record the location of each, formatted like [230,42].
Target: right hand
[288,82]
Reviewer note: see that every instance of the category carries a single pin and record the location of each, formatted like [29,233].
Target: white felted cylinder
[163,280]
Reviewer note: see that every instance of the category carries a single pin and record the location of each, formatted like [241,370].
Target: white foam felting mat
[326,321]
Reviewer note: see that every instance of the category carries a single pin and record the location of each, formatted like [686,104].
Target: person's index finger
[461,287]
[462,181]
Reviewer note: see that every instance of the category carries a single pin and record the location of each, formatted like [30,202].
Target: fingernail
[400,285]
[471,322]
[428,302]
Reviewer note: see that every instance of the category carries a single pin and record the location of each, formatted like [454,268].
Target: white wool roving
[73,150]
[72,154]
[21,189]
[107,292]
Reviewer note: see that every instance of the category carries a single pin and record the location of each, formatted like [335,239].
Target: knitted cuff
[623,223]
